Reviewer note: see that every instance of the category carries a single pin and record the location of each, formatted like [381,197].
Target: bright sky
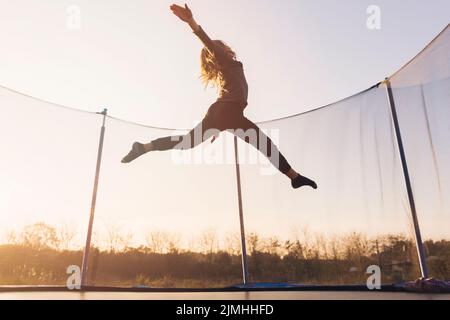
[143,64]
[139,60]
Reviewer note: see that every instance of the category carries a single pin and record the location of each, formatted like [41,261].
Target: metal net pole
[84,271]
[241,215]
[419,242]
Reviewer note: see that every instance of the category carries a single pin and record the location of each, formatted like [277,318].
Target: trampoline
[305,293]
[380,156]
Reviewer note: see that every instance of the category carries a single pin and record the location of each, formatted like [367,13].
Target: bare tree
[163,242]
[272,246]
[156,241]
[117,239]
[12,238]
[335,247]
[66,235]
[303,242]
[174,241]
[294,249]
[39,236]
[253,243]
[209,241]
[320,245]
[357,246]
[233,243]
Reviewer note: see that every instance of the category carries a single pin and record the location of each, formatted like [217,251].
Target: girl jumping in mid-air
[220,67]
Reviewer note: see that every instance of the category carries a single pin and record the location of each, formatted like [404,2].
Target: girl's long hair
[210,69]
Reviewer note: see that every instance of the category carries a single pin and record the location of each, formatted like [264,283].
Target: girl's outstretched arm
[185,14]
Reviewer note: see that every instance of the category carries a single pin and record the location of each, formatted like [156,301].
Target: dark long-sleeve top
[235,88]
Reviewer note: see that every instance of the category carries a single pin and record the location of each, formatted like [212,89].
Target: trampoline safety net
[172,219]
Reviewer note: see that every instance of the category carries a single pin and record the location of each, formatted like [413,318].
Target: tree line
[40,254]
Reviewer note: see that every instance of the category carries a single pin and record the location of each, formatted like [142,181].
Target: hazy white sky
[141,62]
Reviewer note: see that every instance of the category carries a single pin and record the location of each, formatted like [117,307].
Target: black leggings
[223,116]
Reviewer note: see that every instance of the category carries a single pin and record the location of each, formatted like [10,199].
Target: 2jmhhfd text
[225,310]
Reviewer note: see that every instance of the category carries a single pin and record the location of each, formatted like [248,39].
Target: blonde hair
[210,68]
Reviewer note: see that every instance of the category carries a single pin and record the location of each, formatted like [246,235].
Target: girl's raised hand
[184,13]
